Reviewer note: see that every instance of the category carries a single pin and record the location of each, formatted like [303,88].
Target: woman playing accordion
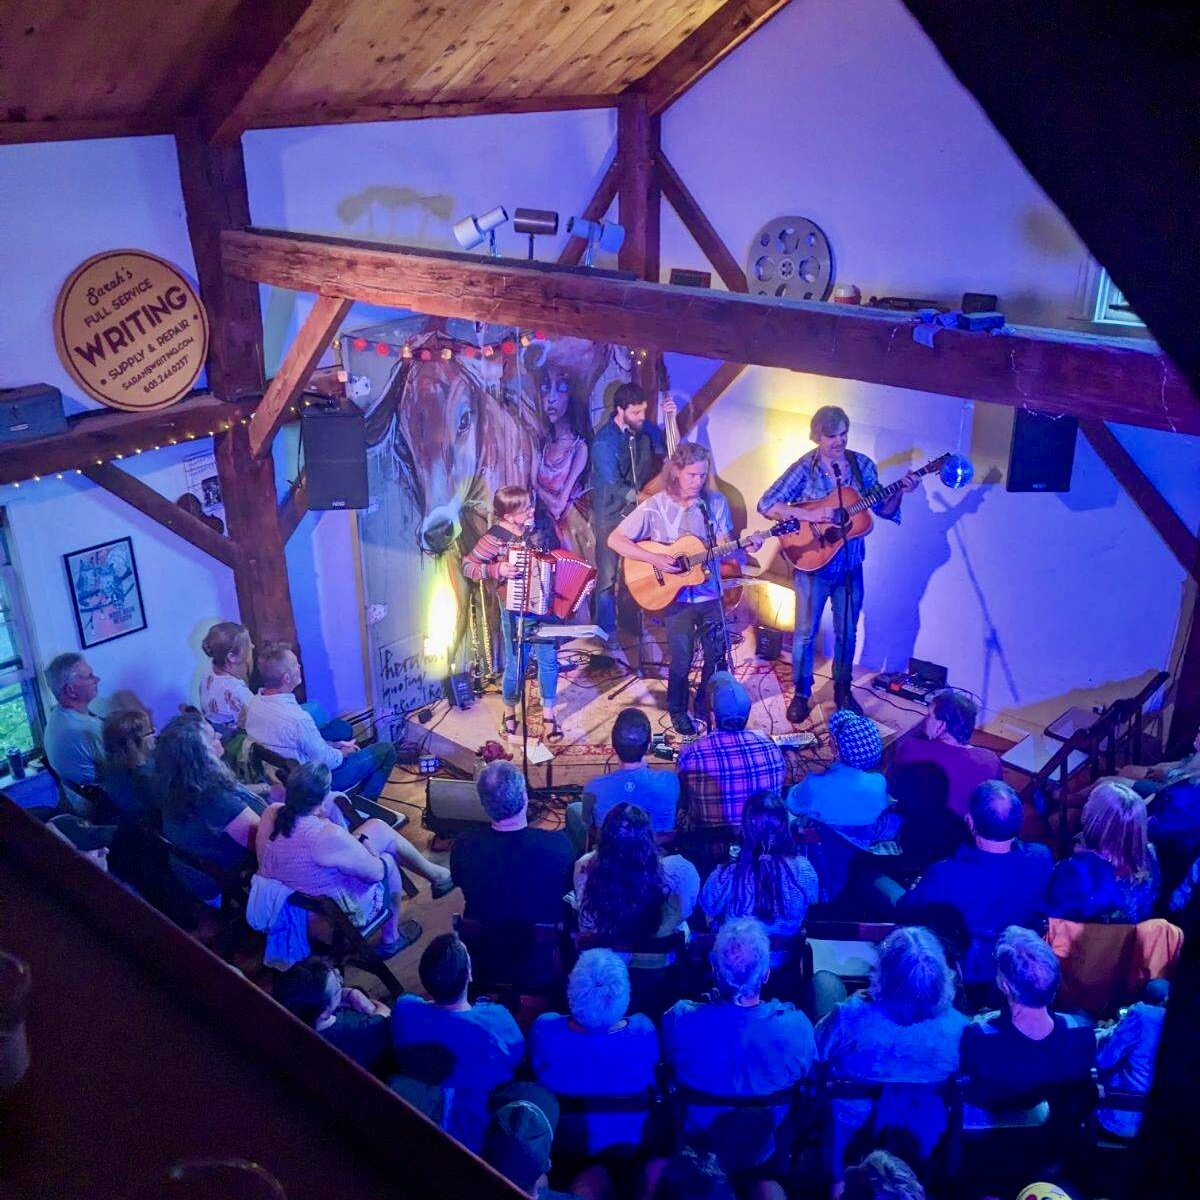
[497,557]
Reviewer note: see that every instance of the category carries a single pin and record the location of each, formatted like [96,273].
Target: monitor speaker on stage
[335,456]
[1042,453]
[453,806]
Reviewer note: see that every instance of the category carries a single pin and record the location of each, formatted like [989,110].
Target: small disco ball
[1043,1191]
[956,471]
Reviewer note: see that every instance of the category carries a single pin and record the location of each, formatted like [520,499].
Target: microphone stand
[522,650]
[843,523]
[714,567]
[638,672]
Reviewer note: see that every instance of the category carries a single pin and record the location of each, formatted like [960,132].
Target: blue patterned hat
[858,741]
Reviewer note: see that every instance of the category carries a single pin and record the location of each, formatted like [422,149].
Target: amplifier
[31,412]
[453,806]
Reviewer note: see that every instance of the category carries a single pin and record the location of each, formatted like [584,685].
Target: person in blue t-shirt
[596,1051]
[634,782]
[466,1049]
[995,882]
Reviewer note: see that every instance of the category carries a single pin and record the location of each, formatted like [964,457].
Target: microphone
[837,472]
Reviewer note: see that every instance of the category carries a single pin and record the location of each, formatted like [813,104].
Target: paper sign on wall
[131,330]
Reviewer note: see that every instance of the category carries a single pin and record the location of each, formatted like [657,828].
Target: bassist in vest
[814,478]
[687,504]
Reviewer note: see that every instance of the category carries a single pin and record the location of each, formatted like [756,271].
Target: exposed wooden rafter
[638,206]
[105,434]
[705,396]
[17,132]
[268,38]
[293,507]
[699,226]
[698,53]
[1044,369]
[297,367]
[1179,539]
[156,506]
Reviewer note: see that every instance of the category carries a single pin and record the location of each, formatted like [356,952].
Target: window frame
[21,670]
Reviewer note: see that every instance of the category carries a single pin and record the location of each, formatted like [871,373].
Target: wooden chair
[232,886]
[511,960]
[98,808]
[657,968]
[570,1138]
[349,945]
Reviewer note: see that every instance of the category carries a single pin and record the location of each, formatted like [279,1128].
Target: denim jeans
[685,623]
[367,770]
[545,654]
[813,589]
[332,730]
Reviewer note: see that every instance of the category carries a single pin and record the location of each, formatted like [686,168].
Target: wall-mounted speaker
[334,441]
[1042,453]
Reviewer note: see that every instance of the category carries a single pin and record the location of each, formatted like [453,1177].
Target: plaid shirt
[807,479]
[719,772]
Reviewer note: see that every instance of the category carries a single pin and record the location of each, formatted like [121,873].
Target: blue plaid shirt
[807,479]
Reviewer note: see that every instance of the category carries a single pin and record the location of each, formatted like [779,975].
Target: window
[1111,307]
[20,704]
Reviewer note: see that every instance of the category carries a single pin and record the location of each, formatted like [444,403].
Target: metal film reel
[790,257]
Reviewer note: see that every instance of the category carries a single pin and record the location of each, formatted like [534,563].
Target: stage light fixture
[604,235]
[535,222]
[472,230]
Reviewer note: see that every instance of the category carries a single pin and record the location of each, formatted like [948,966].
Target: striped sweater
[488,553]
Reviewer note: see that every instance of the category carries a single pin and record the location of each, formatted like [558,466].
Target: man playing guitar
[687,504]
[815,476]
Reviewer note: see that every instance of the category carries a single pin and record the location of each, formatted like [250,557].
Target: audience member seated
[633,782]
[205,810]
[738,1045]
[627,891]
[275,720]
[596,1051]
[1021,1058]
[1113,874]
[511,873]
[944,739]
[92,841]
[848,802]
[1127,1053]
[345,1017]
[995,882]
[518,1141]
[720,771]
[902,1029]
[929,831]
[225,687]
[692,1175]
[127,774]
[467,1049]
[73,738]
[767,879]
[304,844]
[882,1176]
[1148,781]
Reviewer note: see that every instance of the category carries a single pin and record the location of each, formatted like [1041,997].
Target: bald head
[995,811]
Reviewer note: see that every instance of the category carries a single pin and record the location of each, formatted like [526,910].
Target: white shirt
[280,724]
[223,697]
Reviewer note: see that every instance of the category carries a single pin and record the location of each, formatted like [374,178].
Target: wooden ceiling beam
[1179,538]
[705,396]
[702,50]
[1025,368]
[268,38]
[293,507]
[699,226]
[638,197]
[18,133]
[158,508]
[297,367]
[414,110]
[597,206]
[105,434]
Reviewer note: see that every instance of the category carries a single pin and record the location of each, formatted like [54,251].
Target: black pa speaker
[335,456]
[1042,452]
[452,806]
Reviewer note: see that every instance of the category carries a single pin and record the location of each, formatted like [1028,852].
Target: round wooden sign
[131,330]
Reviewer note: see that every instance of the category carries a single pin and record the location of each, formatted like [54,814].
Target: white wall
[845,113]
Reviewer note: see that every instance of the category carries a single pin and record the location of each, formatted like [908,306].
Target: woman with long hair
[127,774]
[626,890]
[304,843]
[1113,874]
[767,880]
[206,811]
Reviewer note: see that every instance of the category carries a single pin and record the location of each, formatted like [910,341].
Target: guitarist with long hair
[687,504]
[814,477]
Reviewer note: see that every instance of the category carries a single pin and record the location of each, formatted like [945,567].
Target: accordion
[550,584]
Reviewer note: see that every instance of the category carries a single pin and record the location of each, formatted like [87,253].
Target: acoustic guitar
[654,589]
[815,542]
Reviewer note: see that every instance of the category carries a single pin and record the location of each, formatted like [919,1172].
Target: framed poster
[105,591]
